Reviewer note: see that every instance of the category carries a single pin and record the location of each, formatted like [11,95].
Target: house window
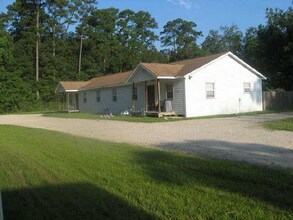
[246,87]
[98,96]
[210,90]
[84,97]
[169,91]
[114,95]
[134,93]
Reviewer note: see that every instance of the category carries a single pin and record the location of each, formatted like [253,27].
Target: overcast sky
[207,14]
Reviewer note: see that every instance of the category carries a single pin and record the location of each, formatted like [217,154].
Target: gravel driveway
[240,138]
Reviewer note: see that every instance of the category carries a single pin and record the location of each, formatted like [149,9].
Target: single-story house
[210,85]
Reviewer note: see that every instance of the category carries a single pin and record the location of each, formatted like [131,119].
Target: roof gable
[172,70]
[70,86]
[141,73]
[187,67]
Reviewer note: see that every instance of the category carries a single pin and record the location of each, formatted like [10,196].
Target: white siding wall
[178,102]
[124,97]
[139,104]
[228,76]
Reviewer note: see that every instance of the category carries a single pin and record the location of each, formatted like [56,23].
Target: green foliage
[225,39]
[15,94]
[180,37]
[270,48]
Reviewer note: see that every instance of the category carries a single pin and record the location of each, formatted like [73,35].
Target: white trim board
[1,209]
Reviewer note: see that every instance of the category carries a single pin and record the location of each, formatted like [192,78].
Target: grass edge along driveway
[286,125]
[60,176]
[78,115]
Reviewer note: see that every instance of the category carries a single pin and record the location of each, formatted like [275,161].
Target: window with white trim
[169,91]
[210,90]
[84,97]
[246,88]
[98,95]
[114,95]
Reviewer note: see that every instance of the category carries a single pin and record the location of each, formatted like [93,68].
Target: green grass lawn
[286,125]
[128,118]
[78,115]
[51,175]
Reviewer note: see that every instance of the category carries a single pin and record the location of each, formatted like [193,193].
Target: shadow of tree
[71,201]
[271,185]
[250,152]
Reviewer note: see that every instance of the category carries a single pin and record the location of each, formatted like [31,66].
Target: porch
[155,97]
[72,102]
[68,95]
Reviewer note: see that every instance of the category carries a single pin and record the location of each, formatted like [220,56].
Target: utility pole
[80,54]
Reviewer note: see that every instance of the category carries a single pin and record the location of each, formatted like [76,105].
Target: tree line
[45,41]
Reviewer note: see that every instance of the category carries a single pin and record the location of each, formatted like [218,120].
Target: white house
[211,85]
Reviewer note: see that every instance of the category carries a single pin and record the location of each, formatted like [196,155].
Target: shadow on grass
[72,201]
[269,185]
[251,152]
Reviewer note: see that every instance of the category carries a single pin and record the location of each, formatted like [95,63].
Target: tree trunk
[54,42]
[80,54]
[37,46]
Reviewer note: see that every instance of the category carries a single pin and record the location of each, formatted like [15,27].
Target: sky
[207,14]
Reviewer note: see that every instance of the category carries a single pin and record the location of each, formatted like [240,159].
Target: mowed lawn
[51,175]
[286,125]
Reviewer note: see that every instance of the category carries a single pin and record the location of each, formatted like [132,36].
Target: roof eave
[101,87]
[170,77]
[246,65]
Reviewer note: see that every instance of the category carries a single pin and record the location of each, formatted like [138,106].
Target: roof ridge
[162,63]
[190,59]
[112,74]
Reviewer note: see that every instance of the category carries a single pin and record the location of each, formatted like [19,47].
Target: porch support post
[133,100]
[67,101]
[76,100]
[145,96]
[58,99]
[159,94]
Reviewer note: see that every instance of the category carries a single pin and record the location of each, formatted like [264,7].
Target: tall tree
[24,17]
[180,36]
[227,38]
[136,35]
[14,92]
[37,43]
[270,46]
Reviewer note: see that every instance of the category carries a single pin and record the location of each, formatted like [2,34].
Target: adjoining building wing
[70,86]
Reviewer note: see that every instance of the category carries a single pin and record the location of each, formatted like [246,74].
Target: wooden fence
[277,100]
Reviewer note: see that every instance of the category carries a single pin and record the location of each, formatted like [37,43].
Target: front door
[151,98]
